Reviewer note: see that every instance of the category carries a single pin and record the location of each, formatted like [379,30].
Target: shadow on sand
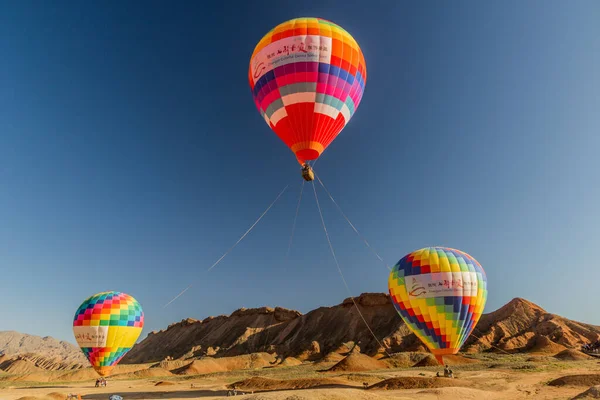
[183,394]
[44,387]
[193,394]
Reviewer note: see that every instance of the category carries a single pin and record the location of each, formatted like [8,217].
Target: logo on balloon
[416,290]
[258,69]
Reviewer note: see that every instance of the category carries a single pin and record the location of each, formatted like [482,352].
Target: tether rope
[294,223]
[351,224]
[236,243]
[286,258]
[342,274]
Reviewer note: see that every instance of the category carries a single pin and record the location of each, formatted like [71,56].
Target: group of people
[100,382]
[448,373]
[591,347]
[234,392]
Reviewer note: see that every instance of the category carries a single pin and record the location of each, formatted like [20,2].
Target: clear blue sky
[132,156]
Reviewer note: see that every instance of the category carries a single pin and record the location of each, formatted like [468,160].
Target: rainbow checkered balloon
[307,77]
[440,294]
[106,326]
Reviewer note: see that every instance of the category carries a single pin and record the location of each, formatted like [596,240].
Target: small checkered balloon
[440,294]
[106,326]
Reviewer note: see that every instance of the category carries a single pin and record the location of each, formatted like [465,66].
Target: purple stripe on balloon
[355,93]
[323,77]
[333,91]
[302,66]
[328,83]
[266,90]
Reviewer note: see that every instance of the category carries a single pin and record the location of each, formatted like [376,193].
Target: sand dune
[543,344]
[290,362]
[405,359]
[358,362]
[144,373]
[428,361]
[49,396]
[209,365]
[205,366]
[572,355]
[164,383]
[86,374]
[411,382]
[319,395]
[331,357]
[462,393]
[258,383]
[457,359]
[577,380]
[591,393]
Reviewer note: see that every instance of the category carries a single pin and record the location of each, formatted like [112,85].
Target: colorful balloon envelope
[440,294]
[106,326]
[307,77]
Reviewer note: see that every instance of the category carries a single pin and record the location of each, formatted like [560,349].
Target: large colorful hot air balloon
[307,77]
[440,294]
[106,326]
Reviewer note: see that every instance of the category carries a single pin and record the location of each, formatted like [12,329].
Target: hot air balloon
[440,294]
[106,326]
[307,77]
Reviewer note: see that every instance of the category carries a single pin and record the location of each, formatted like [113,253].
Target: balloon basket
[307,173]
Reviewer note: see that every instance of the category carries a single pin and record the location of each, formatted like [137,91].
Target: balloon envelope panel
[106,326]
[307,77]
[440,293]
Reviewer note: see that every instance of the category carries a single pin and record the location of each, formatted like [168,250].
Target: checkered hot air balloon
[440,294]
[307,77]
[106,326]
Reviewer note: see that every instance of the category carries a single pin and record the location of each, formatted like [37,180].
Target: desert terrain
[518,351]
[535,376]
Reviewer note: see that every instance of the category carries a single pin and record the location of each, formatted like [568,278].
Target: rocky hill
[322,334]
[521,325]
[518,326]
[244,331]
[44,350]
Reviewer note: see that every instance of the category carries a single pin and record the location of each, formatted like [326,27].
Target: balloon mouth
[104,371]
[439,353]
[306,155]
[307,150]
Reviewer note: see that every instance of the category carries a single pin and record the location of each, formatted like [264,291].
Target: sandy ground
[507,377]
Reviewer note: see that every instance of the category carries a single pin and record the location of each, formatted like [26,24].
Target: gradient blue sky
[132,156]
